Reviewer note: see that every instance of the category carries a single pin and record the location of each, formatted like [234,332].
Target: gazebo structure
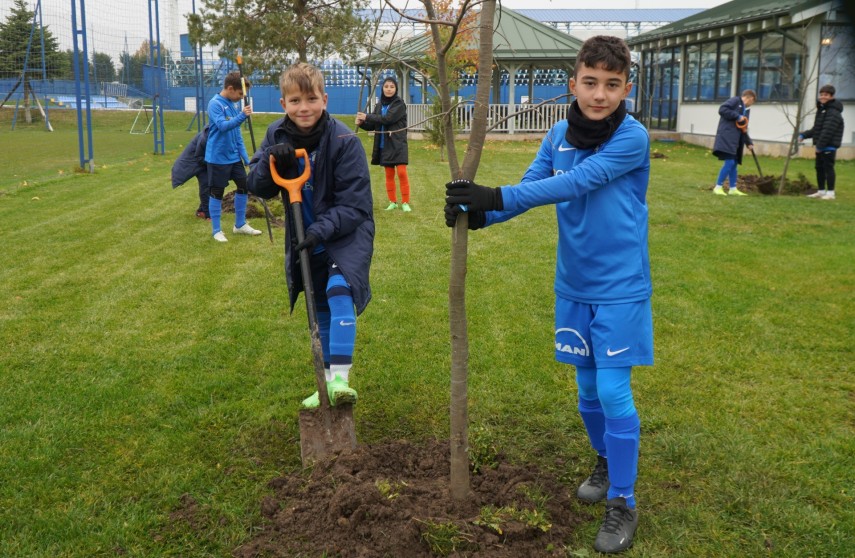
[526,54]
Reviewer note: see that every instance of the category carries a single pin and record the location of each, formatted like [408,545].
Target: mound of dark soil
[392,500]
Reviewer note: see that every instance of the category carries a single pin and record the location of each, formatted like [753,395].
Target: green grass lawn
[144,364]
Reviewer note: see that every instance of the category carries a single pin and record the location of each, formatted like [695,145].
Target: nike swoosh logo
[612,353]
[344,323]
[561,148]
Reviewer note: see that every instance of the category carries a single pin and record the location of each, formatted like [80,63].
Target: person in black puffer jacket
[827,135]
[388,121]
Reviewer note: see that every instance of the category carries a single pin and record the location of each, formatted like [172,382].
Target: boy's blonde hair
[302,76]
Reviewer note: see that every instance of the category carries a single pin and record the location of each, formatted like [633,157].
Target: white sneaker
[829,195]
[220,237]
[817,194]
[246,229]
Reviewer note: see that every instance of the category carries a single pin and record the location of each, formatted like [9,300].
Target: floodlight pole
[83,77]
[155,62]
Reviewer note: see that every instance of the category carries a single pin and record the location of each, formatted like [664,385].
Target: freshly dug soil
[392,500]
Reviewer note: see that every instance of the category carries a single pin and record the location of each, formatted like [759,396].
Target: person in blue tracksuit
[594,167]
[337,215]
[730,139]
[226,154]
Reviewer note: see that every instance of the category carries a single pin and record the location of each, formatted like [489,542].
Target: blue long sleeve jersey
[225,144]
[599,196]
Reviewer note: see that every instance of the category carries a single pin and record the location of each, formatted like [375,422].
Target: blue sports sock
[240,210]
[215,209]
[595,423]
[324,330]
[342,326]
[622,440]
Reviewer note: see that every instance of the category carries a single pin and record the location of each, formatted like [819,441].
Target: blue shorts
[603,335]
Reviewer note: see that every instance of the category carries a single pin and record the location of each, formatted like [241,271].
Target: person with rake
[336,211]
[594,167]
[225,154]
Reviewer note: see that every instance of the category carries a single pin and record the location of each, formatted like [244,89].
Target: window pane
[837,61]
[792,68]
[750,64]
[692,80]
[708,71]
[725,70]
[771,58]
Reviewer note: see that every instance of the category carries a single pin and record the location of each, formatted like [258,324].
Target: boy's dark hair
[302,76]
[233,80]
[610,53]
[828,89]
[749,93]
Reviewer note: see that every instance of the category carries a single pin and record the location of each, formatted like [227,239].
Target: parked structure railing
[526,120]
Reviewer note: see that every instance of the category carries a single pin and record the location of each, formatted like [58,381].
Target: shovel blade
[325,433]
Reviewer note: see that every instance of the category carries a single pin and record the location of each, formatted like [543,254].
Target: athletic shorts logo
[612,353]
[568,340]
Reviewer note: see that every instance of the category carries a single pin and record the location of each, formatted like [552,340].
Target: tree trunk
[459,483]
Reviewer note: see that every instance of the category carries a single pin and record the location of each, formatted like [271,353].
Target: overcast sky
[114,23]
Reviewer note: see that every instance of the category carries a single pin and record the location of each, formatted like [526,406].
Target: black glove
[286,161]
[477,219]
[309,243]
[473,196]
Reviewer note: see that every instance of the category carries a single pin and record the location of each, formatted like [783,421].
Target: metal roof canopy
[735,17]
[518,42]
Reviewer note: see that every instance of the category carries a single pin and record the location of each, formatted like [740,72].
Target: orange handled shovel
[327,430]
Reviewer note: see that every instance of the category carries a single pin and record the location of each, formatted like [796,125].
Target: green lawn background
[142,364]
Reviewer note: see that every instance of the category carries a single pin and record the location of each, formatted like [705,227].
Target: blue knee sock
[595,423]
[215,209]
[622,440]
[342,326]
[240,210]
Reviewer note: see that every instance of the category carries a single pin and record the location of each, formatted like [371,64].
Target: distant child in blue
[594,167]
[226,155]
[337,215]
[730,139]
[192,163]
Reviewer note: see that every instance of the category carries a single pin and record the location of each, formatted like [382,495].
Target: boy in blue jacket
[594,167]
[226,155]
[337,214]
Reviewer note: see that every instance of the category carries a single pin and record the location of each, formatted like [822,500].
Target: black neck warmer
[584,133]
[306,140]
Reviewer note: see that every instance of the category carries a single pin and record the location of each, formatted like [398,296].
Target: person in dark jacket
[337,213]
[192,163]
[388,121]
[827,134]
[730,139]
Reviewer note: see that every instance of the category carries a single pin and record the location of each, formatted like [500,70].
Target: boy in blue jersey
[594,167]
[226,155]
[337,215]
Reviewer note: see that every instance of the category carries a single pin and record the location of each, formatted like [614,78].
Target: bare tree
[444,32]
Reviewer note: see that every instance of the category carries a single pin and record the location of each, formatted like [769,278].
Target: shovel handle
[293,186]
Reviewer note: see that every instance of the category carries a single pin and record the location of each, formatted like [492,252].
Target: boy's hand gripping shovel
[326,430]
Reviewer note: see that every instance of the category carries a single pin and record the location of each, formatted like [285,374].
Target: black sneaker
[618,527]
[596,486]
